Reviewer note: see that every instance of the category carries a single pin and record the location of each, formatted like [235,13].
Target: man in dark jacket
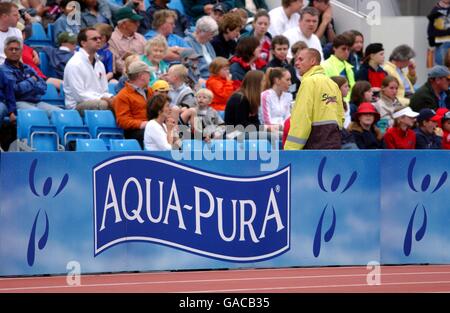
[198,8]
[434,94]
[58,57]
[426,137]
[28,86]
[7,99]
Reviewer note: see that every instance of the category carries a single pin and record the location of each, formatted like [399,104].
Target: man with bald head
[318,113]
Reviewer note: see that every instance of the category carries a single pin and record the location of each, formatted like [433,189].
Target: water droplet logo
[424,187]
[46,189]
[335,183]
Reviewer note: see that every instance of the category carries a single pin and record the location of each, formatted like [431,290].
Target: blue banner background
[372,210]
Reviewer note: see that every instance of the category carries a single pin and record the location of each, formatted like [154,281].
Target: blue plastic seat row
[84,145]
[66,126]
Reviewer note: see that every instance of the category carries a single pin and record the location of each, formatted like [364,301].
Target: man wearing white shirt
[85,82]
[9,16]
[308,23]
[285,17]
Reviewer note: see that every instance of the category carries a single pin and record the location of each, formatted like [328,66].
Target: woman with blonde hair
[155,52]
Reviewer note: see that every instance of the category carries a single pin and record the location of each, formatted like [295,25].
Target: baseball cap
[161,85]
[405,112]
[138,67]
[219,7]
[427,115]
[127,13]
[439,71]
[373,48]
[189,54]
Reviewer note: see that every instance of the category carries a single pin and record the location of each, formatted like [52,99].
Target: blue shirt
[7,92]
[172,40]
[106,57]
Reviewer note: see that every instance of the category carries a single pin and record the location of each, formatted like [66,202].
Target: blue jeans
[440,53]
[3,112]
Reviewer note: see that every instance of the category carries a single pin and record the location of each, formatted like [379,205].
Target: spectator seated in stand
[130,105]
[28,86]
[85,85]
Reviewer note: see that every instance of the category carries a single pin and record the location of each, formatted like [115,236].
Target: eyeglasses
[95,38]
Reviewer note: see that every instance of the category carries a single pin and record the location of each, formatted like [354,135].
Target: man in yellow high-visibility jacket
[318,113]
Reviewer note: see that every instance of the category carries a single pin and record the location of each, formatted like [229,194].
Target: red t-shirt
[445,141]
[27,58]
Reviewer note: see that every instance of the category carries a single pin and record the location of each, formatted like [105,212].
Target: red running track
[417,278]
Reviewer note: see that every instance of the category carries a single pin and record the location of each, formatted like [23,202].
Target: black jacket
[237,112]
[426,98]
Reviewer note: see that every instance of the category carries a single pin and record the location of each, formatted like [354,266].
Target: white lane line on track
[222,280]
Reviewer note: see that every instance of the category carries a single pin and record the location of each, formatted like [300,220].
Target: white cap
[405,112]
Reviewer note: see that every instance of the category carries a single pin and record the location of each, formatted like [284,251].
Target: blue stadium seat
[45,65]
[177,5]
[69,126]
[90,145]
[125,145]
[52,96]
[101,124]
[39,37]
[221,114]
[112,88]
[51,33]
[34,131]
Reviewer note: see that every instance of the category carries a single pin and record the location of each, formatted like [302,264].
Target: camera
[22,13]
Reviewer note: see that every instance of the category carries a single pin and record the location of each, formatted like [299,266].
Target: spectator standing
[318,113]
